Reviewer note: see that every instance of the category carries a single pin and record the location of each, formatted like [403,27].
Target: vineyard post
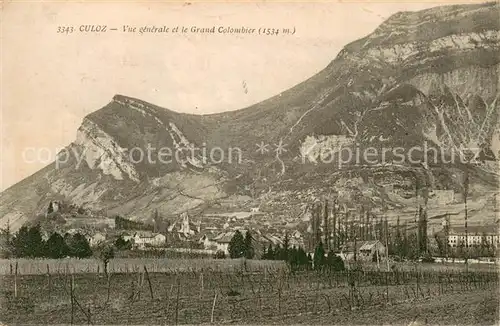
[440,284]
[387,286]
[201,284]
[149,282]
[72,298]
[138,285]
[177,301]
[132,295]
[279,299]
[251,284]
[108,276]
[15,281]
[416,290]
[89,317]
[260,304]
[213,308]
[316,295]
[49,280]
[450,281]
[166,303]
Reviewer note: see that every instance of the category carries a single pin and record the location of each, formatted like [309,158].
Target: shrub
[220,254]
[334,262]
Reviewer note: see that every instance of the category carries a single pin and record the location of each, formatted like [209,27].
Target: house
[127,236]
[222,241]
[260,241]
[208,241]
[475,236]
[296,239]
[296,234]
[270,239]
[145,239]
[296,242]
[96,239]
[365,250]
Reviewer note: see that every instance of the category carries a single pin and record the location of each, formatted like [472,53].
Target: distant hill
[430,77]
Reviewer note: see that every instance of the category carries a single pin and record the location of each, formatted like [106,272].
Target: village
[350,234]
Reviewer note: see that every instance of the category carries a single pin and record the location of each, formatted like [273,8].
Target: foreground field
[132,265]
[478,307]
[166,265]
[247,297]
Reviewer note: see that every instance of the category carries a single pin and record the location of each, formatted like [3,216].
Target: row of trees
[296,258]
[241,246]
[460,250]
[28,242]
[409,245]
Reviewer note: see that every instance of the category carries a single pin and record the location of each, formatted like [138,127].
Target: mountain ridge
[430,76]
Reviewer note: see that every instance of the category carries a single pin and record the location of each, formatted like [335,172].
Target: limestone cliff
[428,76]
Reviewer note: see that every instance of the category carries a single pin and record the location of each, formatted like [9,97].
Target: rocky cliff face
[100,151]
[429,76]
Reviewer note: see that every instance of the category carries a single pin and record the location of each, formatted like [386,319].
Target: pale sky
[51,81]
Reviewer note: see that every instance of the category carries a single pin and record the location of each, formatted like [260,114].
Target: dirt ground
[308,298]
[471,308]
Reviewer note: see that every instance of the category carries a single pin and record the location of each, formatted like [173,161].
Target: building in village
[207,240]
[96,239]
[183,228]
[254,210]
[296,239]
[143,239]
[260,241]
[269,239]
[475,236]
[222,241]
[365,250]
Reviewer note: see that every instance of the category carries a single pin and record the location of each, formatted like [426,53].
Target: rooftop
[474,229]
[361,245]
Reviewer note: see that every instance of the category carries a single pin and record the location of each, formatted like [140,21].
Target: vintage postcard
[249,163]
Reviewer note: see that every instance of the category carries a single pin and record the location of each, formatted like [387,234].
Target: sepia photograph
[249,163]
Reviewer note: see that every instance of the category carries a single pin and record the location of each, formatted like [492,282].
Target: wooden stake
[49,279]
[71,289]
[139,284]
[149,282]
[15,281]
[213,308]
[177,302]
[201,288]
[109,287]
